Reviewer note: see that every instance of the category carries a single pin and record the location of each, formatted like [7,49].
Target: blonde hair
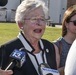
[27,6]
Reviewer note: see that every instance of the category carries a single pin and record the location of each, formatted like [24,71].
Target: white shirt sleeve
[70,66]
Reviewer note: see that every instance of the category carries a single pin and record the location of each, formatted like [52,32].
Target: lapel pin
[47,50]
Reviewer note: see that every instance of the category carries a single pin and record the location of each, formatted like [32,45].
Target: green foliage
[9,31]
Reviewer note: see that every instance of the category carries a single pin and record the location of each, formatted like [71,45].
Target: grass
[9,31]
[52,33]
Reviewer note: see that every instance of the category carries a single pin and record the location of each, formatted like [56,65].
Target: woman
[68,35]
[31,20]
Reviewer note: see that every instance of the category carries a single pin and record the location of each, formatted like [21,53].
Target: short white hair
[27,6]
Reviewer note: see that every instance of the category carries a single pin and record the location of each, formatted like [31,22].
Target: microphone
[3,2]
[18,59]
[44,69]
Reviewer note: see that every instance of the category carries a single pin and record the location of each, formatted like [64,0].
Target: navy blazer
[27,68]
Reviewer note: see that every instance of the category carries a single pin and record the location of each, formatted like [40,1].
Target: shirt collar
[27,44]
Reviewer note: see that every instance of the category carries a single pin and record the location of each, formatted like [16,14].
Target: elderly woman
[31,20]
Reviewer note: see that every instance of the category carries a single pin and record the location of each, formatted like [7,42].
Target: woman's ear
[20,25]
[66,24]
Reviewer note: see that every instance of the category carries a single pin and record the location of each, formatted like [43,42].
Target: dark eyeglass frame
[74,22]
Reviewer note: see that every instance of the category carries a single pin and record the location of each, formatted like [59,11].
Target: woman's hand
[8,72]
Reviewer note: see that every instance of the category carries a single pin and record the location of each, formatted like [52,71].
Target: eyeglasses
[74,22]
[34,20]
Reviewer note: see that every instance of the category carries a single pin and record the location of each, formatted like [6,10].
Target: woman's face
[35,24]
[71,27]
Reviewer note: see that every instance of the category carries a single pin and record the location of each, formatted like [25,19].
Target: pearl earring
[21,27]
